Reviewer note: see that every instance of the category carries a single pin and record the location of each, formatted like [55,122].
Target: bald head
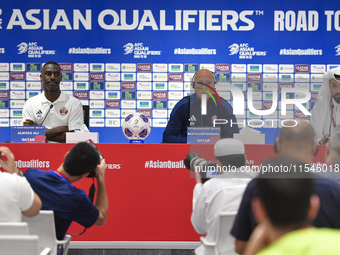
[301,133]
[203,78]
[297,141]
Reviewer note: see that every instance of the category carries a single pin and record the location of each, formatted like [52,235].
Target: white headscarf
[321,113]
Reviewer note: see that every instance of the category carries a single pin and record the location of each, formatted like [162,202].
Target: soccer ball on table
[136,126]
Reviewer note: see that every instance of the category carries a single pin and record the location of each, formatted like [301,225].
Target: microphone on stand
[51,106]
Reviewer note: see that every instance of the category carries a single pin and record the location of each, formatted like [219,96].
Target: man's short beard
[337,99]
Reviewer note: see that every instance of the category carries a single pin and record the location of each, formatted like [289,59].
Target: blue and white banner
[120,57]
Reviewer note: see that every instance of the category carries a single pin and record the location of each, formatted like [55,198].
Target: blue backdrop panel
[117,56]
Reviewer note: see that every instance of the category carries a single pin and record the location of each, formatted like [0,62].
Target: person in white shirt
[16,195]
[54,109]
[222,193]
[326,112]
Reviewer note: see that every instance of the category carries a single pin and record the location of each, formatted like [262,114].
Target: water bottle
[77,128]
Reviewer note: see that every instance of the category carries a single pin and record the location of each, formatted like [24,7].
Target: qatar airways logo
[160,95]
[315,95]
[254,77]
[144,68]
[175,77]
[18,76]
[285,85]
[225,68]
[81,94]
[300,115]
[66,67]
[302,68]
[128,86]
[112,104]
[267,105]
[4,95]
[147,113]
[97,76]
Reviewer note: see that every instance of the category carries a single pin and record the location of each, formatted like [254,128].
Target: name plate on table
[200,135]
[28,134]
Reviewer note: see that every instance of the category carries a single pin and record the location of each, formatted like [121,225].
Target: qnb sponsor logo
[299,52]
[194,51]
[164,164]
[113,166]
[97,50]
[32,163]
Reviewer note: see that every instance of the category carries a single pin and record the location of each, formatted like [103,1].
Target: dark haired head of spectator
[286,198]
[82,158]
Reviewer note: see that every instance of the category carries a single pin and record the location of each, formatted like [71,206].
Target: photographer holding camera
[222,193]
[69,203]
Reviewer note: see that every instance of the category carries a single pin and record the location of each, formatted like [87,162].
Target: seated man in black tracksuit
[187,112]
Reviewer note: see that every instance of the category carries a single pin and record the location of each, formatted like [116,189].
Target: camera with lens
[196,163]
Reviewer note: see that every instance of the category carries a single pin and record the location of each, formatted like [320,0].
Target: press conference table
[149,190]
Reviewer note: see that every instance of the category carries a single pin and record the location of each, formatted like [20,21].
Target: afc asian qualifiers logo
[63,111]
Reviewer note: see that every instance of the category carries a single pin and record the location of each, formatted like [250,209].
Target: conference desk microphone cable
[51,106]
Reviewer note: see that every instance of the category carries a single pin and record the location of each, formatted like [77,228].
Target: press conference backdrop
[119,57]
